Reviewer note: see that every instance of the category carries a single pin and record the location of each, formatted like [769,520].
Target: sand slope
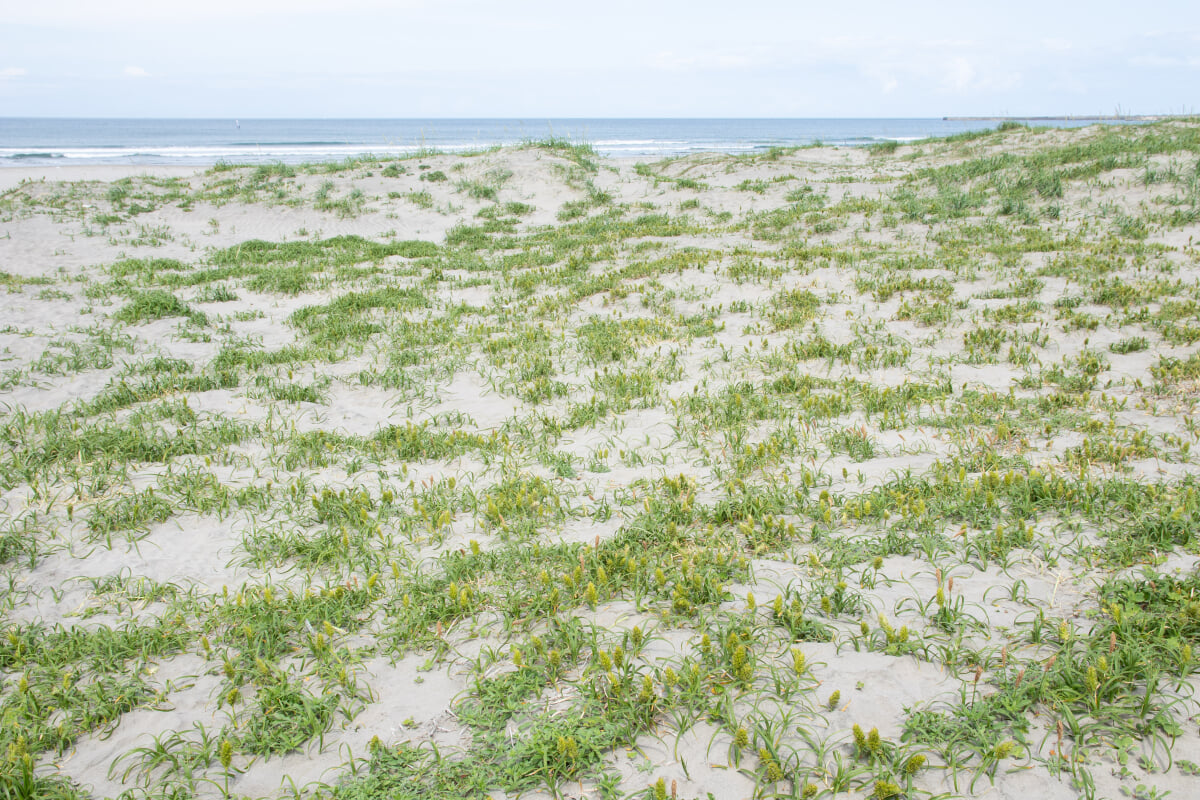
[821,473]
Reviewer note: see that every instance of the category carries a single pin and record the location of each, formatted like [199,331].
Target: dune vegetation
[808,473]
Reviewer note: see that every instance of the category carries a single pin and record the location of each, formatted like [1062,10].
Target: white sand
[55,235]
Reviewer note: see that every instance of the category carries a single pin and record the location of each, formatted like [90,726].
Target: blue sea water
[203,142]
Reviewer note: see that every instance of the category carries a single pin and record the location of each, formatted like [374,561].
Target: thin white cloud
[1070,84]
[79,13]
[431,57]
[1155,60]
[671,61]
[1057,45]
[944,66]
[959,75]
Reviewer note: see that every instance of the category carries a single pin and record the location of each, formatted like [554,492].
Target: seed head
[885,789]
[774,773]
[741,738]
[646,696]
[568,748]
[740,658]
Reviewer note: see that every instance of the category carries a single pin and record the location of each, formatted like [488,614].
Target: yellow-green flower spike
[885,790]
[742,738]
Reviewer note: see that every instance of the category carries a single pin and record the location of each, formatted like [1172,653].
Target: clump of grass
[284,718]
[130,513]
[420,199]
[157,304]
[793,309]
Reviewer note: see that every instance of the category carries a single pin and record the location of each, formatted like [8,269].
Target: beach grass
[816,473]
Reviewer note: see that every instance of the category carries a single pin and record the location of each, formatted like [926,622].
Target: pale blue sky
[459,58]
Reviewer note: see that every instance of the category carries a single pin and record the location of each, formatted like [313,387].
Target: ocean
[203,142]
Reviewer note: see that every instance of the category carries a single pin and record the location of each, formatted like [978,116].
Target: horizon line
[943,117]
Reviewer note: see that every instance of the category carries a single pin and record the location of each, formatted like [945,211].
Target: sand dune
[822,472]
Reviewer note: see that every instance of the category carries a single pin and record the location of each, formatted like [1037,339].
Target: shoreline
[14,173]
[46,144]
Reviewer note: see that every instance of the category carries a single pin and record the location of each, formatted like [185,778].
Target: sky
[619,58]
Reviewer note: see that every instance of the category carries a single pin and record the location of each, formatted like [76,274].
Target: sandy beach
[820,472]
